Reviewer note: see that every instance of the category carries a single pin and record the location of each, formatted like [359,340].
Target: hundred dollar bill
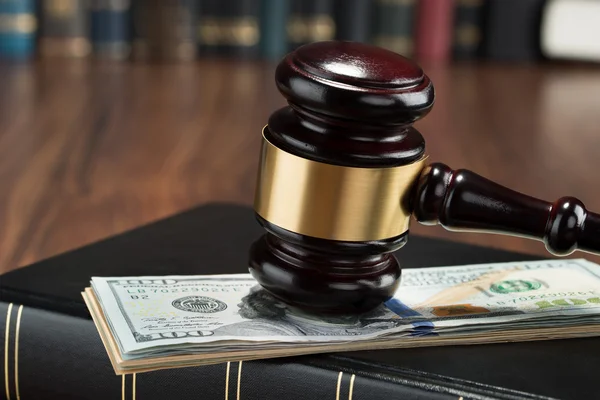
[195,314]
[147,312]
[499,293]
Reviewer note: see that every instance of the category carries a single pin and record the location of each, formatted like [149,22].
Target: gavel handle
[461,200]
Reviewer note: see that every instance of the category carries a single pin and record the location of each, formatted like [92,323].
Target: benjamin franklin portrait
[267,316]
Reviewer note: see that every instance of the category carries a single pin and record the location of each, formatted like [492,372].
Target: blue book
[18,27]
[111,28]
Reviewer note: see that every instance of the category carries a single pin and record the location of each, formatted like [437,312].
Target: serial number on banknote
[563,299]
[189,290]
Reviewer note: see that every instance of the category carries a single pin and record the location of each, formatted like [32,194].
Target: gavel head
[337,167]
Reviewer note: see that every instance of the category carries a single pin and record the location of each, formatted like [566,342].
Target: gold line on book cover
[339,384]
[351,386]
[133,386]
[6,336]
[239,380]
[19,313]
[227,380]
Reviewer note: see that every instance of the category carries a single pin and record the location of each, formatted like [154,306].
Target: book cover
[47,355]
[65,28]
[18,27]
[393,25]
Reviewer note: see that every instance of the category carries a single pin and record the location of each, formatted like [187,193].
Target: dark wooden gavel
[342,170]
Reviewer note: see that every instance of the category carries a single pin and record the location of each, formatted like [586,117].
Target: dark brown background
[88,149]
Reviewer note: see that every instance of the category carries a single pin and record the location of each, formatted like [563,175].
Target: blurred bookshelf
[186,30]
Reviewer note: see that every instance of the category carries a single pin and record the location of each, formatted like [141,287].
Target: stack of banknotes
[157,322]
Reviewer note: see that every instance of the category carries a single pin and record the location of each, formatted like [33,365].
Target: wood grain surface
[88,150]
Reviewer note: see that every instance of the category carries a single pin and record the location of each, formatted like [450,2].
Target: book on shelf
[65,28]
[18,27]
[512,30]
[467,35]
[433,30]
[310,21]
[273,24]
[393,25]
[229,28]
[352,20]
[164,30]
[111,28]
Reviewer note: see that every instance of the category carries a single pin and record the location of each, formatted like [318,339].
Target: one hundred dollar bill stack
[158,322]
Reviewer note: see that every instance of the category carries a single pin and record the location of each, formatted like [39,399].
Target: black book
[54,350]
[512,30]
[310,21]
[229,28]
[353,20]
[468,29]
[61,357]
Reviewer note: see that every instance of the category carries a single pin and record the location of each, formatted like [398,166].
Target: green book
[393,25]
[273,17]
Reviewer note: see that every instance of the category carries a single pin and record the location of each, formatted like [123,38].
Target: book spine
[433,35]
[48,355]
[18,27]
[468,29]
[353,20]
[512,30]
[273,17]
[230,28]
[110,28]
[164,30]
[65,29]
[208,26]
[393,22]
[310,21]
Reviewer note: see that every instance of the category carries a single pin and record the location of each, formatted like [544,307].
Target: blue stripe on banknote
[421,327]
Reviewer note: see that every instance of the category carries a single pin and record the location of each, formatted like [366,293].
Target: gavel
[343,170]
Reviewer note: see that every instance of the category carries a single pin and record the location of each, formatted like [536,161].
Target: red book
[433,30]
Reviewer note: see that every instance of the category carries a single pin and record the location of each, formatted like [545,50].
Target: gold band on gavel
[331,201]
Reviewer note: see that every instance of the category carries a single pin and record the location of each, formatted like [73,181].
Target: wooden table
[88,149]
